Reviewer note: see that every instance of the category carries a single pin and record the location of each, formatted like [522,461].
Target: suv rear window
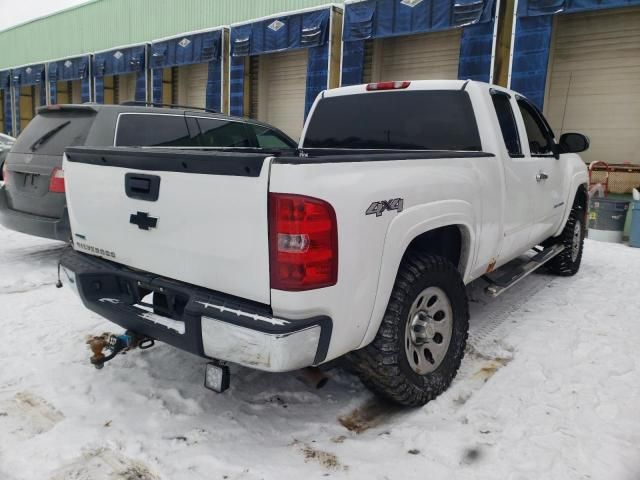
[51,132]
[411,120]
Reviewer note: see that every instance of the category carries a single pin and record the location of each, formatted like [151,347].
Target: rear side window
[415,120]
[135,130]
[268,138]
[155,131]
[50,133]
[507,121]
[222,133]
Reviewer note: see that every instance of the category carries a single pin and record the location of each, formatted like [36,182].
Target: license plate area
[112,288]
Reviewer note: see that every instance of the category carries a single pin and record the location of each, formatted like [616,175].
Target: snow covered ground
[549,389]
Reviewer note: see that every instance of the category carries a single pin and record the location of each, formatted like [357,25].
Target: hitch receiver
[106,346]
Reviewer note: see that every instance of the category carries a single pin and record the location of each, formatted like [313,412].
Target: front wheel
[568,262]
[420,344]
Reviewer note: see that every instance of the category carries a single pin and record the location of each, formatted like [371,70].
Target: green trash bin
[634,232]
[606,219]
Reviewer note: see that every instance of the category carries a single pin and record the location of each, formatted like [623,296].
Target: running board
[513,275]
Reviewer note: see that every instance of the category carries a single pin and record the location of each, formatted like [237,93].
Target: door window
[222,133]
[539,136]
[268,138]
[502,105]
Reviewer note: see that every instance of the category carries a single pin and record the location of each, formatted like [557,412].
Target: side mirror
[573,143]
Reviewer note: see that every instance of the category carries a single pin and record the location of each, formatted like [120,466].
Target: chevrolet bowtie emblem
[143,220]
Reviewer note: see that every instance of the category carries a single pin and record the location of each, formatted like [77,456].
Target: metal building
[29,93]
[69,80]
[120,75]
[6,103]
[418,39]
[279,64]
[189,69]
[580,61]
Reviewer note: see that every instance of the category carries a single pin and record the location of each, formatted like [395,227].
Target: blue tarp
[70,69]
[203,47]
[372,19]
[25,77]
[303,30]
[386,18]
[120,62]
[531,8]
[533,40]
[5,87]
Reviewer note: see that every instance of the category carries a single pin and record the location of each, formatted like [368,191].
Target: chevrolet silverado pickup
[359,245]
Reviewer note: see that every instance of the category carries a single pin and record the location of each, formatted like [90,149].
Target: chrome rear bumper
[203,322]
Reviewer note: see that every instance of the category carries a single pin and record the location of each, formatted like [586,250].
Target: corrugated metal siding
[594,82]
[110,23]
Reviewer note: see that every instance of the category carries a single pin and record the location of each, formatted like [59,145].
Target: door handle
[541,176]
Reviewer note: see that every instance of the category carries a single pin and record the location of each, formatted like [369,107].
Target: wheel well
[450,242]
[582,198]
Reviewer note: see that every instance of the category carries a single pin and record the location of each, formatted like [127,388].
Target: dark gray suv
[32,199]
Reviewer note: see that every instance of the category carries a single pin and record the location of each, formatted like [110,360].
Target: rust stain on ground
[490,368]
[371,414]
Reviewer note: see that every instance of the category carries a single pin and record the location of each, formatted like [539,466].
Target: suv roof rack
[168,105]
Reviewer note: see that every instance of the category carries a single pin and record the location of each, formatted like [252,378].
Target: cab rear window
[50,133]
[405,120]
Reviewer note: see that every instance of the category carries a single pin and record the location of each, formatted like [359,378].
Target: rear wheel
[420,344]
[568,262]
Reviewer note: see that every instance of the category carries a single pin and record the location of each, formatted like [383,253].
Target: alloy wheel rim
[428,330]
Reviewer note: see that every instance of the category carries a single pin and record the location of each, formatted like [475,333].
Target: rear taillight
[5,173]
[56,184]
[387,86]
[303,242]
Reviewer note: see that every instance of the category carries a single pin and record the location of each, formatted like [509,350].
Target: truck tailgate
[193,216]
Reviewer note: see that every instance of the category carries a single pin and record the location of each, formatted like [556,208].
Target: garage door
[281,90]
[192,85]
[429,56]
[76,91]
[126,87]
[594,82]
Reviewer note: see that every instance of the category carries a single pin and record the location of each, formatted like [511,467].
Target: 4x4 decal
[378,208]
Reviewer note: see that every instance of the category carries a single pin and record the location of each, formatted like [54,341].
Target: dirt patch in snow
[27,415]
[372,414]
[104,464]
[327,460]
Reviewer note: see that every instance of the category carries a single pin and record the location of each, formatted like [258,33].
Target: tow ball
[105,347]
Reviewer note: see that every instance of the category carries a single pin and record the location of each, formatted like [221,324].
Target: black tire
[568,262]
[384,365]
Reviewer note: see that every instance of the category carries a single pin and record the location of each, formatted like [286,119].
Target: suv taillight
[5,173]
[303,242]
[56,184]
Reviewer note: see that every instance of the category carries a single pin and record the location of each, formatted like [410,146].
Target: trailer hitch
[105,347]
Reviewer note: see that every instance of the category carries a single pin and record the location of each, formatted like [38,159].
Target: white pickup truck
[360,243]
